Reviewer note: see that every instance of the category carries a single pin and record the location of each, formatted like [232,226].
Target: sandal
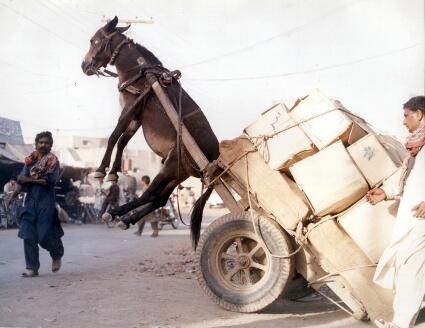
[29,273]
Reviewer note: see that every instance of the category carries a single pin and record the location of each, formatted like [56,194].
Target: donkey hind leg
[161,200]
[166,175]
[122,142]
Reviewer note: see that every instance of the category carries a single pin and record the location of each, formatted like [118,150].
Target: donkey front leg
[122,125]
[122,142]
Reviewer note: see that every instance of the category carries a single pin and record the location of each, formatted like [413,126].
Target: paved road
[112,278]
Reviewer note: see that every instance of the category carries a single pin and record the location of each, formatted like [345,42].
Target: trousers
[52,243]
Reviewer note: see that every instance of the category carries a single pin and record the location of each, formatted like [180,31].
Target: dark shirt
[114,194]
[39,216]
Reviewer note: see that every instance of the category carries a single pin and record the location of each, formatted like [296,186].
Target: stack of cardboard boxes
[334,157]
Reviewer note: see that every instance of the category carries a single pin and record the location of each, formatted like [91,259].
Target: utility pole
[130,21]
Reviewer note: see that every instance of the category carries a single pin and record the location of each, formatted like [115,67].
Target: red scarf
[415,141]
[45,164]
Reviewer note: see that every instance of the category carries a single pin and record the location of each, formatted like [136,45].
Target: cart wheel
[236,269]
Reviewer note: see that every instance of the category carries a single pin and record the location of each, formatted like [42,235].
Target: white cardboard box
[282,148]
[320,119]
[370,226]
[372,159]
[330,180]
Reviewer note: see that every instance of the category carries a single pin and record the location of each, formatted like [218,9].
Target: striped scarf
[42,164]
[415,141]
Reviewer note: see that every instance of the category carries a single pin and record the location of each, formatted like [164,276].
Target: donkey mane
[148,55]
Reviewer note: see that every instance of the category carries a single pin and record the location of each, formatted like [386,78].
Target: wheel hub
[244,261]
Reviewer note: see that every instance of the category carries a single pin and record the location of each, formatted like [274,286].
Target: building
[10,132]
[83,151]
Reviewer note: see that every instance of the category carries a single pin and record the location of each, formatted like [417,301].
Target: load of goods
[315,160]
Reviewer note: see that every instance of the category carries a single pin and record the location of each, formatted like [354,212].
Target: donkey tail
[196,217]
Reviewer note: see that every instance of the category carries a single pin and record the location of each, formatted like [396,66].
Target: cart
[246,259]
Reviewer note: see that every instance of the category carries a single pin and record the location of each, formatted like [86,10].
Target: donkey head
[101,46]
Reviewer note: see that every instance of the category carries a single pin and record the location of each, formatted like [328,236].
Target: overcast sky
[237,58]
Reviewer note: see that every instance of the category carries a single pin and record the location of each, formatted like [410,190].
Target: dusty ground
[112,278]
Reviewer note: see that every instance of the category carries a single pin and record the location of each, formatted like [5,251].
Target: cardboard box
[370,226]
[372,159]
[330,180]
[354,133]
[275,192]
[320,119]
[284,148]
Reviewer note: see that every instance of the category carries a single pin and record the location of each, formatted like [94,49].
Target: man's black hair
[415,104]
[146,179]
[44,134]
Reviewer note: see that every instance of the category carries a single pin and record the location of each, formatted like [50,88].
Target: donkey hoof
[99,175]
[123,225]
[107,218]
[112,177]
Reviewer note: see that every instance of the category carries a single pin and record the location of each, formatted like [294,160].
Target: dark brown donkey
[110,46]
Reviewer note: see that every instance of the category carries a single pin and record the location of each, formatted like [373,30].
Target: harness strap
[117,50]
[164,76]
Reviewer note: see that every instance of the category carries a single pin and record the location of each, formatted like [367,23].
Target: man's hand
[419,210]
[375,196]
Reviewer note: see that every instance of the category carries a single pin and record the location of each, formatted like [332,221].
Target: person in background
[112,197]
[151,217]
[39,220]
[130,187]
[402,265]
[9,189]
[99,196]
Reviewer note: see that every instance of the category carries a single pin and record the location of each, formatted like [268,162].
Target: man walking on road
[402,266]
[39,220]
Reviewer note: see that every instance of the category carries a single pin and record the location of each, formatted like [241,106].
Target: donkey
[109,46]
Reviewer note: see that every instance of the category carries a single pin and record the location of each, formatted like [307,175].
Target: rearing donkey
[141,107]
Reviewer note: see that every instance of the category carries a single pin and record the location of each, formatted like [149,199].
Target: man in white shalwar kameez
[402,265]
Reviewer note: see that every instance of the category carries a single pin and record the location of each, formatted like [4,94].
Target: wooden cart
[247,259]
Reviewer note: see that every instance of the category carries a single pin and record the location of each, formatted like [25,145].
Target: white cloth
[99,197]
[401,266]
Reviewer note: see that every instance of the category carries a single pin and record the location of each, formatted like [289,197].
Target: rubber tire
[279,273]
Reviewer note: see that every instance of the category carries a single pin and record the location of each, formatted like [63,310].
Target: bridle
[106,48]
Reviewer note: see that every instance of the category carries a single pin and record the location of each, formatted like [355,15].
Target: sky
[237,58]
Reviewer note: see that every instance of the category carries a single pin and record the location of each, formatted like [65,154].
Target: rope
[338,273]
[260,141]
[335,303]
[229,166]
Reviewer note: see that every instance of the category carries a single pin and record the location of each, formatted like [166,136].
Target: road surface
[112,278]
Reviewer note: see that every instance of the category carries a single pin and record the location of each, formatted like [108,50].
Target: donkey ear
[122,29]
[110,26]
